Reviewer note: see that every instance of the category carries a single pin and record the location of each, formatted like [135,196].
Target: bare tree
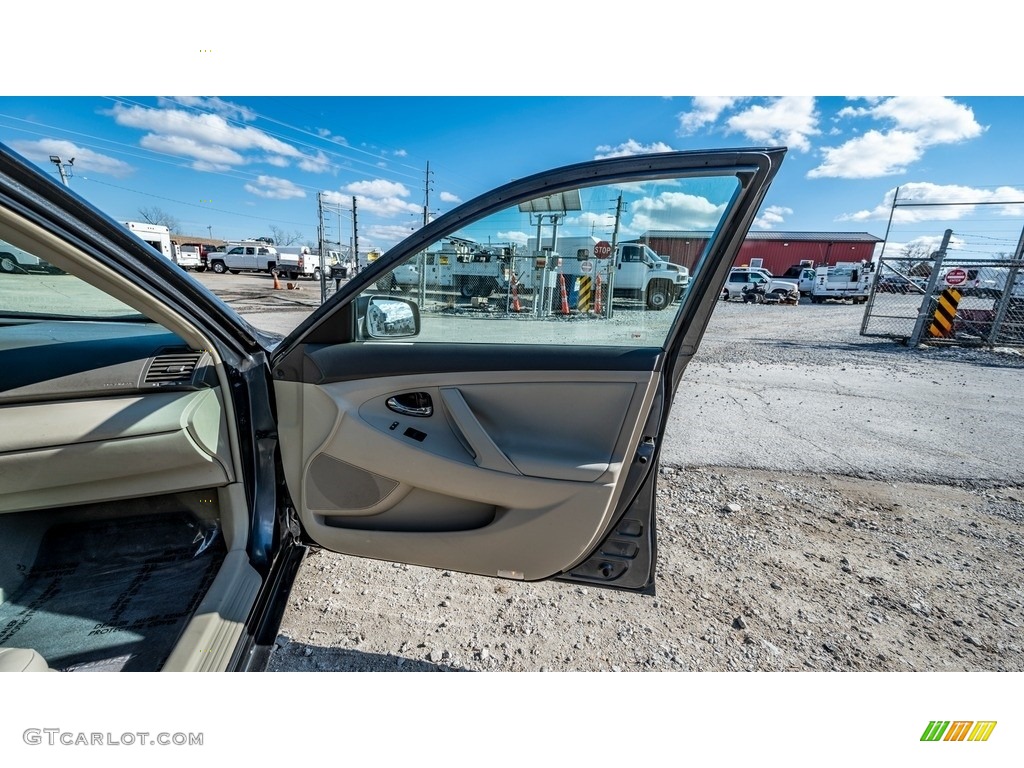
[281,237]
[154,215]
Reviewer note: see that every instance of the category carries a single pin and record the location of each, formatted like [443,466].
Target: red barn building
[778,251]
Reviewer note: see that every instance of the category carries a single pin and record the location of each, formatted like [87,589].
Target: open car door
[506,419]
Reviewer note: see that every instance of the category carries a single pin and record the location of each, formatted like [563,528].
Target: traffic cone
[277,283]
[565,297]
[516,306]
[597,295]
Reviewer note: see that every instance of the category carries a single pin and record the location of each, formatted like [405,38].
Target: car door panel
[503,441]
[544,492]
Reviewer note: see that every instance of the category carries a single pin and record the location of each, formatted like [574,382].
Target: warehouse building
[777,251]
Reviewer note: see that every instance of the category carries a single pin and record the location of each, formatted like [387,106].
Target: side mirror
[391,318]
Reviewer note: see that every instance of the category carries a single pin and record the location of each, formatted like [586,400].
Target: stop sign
[956,276]
[603,250]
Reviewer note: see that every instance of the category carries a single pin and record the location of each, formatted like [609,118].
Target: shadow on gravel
[301,657]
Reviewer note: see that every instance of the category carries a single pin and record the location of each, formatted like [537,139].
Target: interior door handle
[416,404]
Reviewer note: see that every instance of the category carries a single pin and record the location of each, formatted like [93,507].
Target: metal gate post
[1004,300]
[926,302]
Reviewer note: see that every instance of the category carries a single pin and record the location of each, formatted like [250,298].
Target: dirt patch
[801,572]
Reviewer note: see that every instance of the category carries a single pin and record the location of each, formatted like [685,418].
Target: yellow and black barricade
[586,294]
[945,311]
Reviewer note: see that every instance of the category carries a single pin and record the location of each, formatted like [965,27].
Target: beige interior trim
[210,638]
[76,451]
[485,453]
[541,525]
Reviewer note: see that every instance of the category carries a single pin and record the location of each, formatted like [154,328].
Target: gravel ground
[782,546]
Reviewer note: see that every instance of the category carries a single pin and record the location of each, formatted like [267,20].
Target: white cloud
[388,235]
[788,120]
[869,156]
[675,210]
[338,198]
[184,147]
[388,207]
[377,188]
[935,120]
[589,219]
[772,216]
[706,109]
[919,122]
[201,129]
[229,109]
[630,147]
[925,192]
[319,163]
[400,153]
[204,165]
[85,159]
[448,197]
[274,188]
[519,238]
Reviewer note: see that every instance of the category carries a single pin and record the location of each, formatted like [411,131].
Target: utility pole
[426,196]
[320,235]
[209,228]
[63,168]
[355,234]
[613,258]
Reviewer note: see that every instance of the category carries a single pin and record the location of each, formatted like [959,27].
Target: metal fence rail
[948,301]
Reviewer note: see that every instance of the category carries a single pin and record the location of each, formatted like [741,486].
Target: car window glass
[31,287]
[534,273]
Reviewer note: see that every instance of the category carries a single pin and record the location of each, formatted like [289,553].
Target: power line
[192,205]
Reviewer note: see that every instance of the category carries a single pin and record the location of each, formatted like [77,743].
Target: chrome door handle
[416,404]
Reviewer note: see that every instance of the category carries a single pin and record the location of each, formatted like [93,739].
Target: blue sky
[484,101]
[238,165]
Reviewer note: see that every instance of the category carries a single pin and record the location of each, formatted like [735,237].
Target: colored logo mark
[958,730]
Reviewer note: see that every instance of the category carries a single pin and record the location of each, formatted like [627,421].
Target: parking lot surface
[827,502]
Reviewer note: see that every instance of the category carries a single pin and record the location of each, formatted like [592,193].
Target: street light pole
[62,167]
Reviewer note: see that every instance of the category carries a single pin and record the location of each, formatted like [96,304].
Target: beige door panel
[510,475]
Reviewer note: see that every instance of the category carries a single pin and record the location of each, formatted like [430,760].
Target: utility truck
[633,271]
[459,265]
[845,280]
[295,261]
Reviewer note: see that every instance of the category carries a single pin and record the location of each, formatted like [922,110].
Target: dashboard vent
[173,368]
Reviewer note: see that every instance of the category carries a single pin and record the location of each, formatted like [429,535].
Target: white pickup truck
[249,257]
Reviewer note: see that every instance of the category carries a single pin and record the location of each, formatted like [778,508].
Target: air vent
[173,368]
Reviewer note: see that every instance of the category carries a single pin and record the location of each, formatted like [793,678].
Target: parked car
[166,466]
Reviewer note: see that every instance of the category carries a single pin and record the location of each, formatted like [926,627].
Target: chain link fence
[525,286]
[947,301]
